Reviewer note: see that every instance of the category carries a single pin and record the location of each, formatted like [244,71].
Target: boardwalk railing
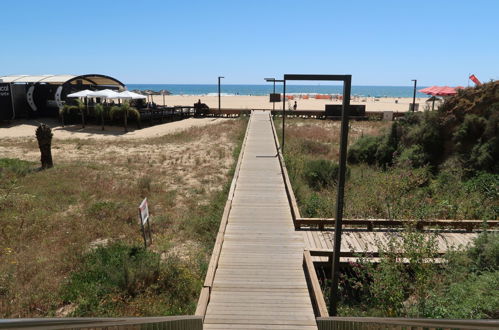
[369,224]
[204,297]
[128,323]
[318,302]
[344,323]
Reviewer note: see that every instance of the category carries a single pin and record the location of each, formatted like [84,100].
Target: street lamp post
[219,98]
[283,105]
[272,80]
[414,95]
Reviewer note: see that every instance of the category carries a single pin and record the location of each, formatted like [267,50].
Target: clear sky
[379,42]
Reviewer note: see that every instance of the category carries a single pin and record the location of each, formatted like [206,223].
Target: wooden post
[143,230]
[149,230]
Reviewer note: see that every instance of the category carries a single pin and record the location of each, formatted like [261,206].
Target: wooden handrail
[401,323]
[352,254]
[118,323]
[295,210]
[315,289]
[469,225]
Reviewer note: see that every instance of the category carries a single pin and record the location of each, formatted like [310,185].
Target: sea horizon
[265,89]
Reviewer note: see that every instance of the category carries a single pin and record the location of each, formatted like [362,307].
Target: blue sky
[379,42]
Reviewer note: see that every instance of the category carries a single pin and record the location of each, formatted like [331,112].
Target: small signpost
[275,97]
[145,222]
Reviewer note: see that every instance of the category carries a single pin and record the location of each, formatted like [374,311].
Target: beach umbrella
[130,95]
[440,90]
[83,93]
[105,94]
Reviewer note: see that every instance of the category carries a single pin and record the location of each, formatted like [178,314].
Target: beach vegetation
[439,165]
[70,240]
[463,286]
[465,127]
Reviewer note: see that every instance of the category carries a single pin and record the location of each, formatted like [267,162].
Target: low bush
[465,287]
[412,157]
[364,150]
[109,276]
[15,166]
[320,173]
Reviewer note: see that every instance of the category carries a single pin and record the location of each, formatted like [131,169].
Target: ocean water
[377,91]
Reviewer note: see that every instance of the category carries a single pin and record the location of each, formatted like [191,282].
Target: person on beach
[295,106]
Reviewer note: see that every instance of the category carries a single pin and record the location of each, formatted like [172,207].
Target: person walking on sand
[295,106]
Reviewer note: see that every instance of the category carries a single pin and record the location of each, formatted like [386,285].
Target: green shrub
[484,254]
[109,276]
[115,269]
[469,132]
[484,183]
[466,128]
[15,166]
[103,209]
[320,173]
[484,156]
[316,206]
[477,297]
[388,147]
[427,134]
[364,150]
[412,157]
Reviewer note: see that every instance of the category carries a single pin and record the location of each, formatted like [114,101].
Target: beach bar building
[24,96]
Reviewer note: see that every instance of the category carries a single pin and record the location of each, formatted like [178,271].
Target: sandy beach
[27,128]
[262,102]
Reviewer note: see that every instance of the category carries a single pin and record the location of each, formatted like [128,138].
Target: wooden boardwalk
[369,241]
[259,282]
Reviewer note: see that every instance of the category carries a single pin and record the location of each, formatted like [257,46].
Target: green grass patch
[109,277]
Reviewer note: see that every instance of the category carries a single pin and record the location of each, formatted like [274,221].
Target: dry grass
[50,219]
[323,136]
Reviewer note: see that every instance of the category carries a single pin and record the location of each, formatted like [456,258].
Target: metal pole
[340,196]
[273,103]
[219,98]
[414,96]
[283,113]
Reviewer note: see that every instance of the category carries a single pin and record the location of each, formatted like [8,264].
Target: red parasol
[440,91]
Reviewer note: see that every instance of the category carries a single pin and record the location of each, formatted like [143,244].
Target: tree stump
[44,137]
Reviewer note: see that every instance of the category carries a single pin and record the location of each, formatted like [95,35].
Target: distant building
[25,96]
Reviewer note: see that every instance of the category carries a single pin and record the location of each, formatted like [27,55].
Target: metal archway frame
[347,87]
[88,77]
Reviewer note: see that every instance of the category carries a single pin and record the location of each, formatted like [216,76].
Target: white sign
[144,211]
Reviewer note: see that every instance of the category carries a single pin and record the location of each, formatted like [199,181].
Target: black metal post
[219,98]
[414,96]
[333,304]
[283,113]
[273,103]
